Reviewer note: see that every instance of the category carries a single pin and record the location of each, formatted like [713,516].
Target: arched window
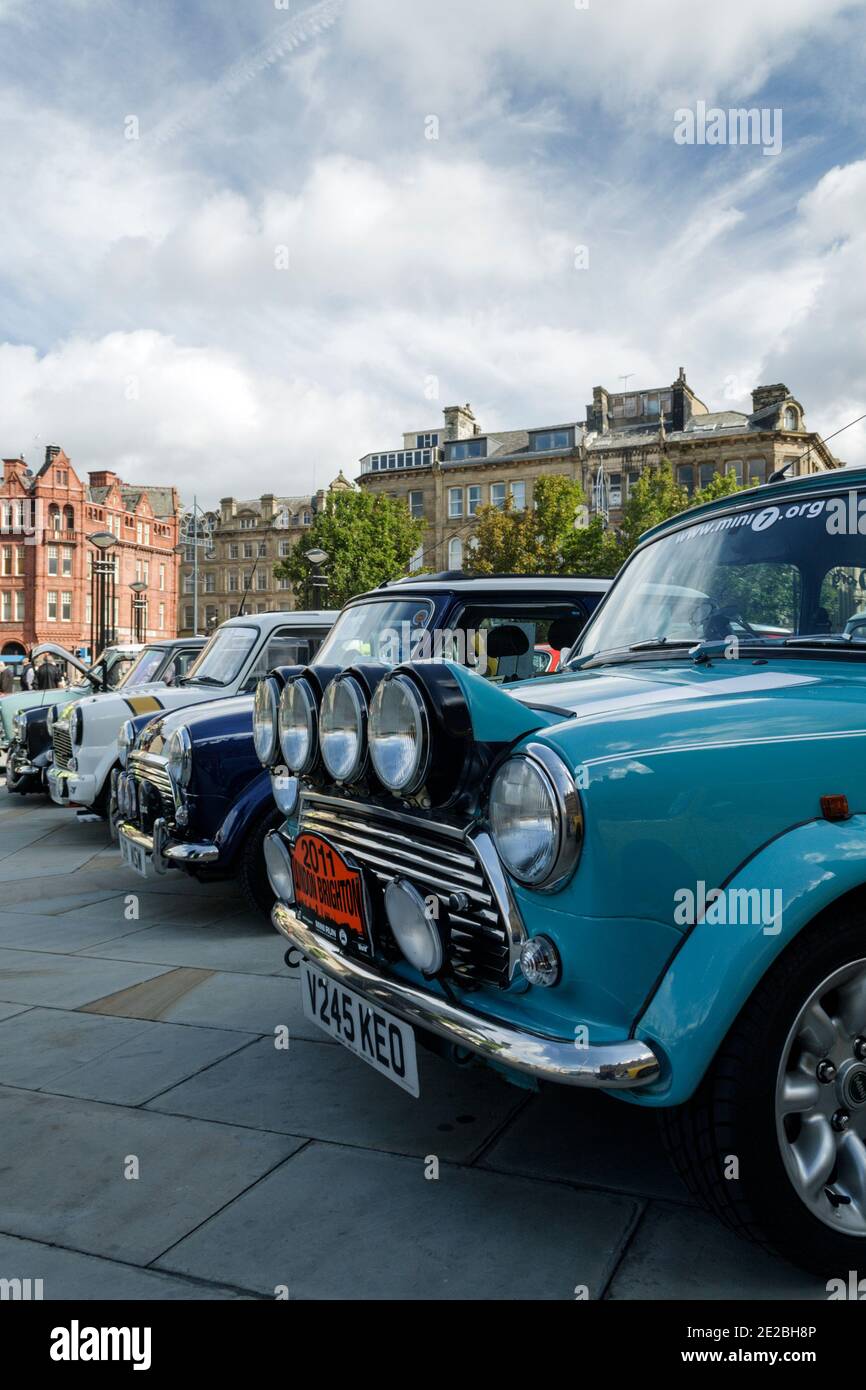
[791,421]
[455,553]
[68,519]
[54,517]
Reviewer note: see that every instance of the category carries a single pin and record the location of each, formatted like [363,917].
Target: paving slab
[29,932]
[183,909]
[323,1091]
[43,861]
[583,1137]
[248,947]
[65,982]
[245,1003]
[10,1010]
[68,1275]
[680,1252]
[121,1060]
[336,1223]
[67,1185]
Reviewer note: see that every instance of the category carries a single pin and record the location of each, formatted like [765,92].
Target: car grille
[437,859]
[155,789]
[62,743]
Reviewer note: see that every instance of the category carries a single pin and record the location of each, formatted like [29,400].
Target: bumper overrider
[166,853]
[607,1066]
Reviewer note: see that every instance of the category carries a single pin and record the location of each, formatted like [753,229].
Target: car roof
[504,583]
[289,617]
[166,643]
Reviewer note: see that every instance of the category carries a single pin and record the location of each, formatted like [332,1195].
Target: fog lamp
[414,926]
[278,863]
[539,961]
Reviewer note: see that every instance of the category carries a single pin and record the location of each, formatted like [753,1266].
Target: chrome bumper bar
[165,853]
[609,1066]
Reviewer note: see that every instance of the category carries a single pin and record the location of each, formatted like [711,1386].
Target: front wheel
[252,871]
[774,1140]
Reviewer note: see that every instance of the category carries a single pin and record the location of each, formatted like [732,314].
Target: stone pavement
[155,1143]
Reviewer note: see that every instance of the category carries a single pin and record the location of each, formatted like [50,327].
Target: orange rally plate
[325,884]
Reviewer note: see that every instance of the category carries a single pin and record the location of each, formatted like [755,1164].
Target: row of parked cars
[587,835]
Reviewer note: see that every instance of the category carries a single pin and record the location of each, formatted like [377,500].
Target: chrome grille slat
[435,857]
[62,744]
[146,767]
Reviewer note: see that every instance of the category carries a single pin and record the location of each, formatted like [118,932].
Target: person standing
[47,675]
[28,675]
[7,684]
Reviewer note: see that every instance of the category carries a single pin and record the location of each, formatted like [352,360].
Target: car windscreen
[764,573]
[379,630]
[221,661]
[145,667]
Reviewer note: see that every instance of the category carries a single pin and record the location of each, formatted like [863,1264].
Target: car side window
[286,647]
[504,641]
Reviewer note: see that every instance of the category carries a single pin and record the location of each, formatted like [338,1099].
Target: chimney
[51,452]
[459,422]
[267,501]
[598,414]
[764,396]
[103,478]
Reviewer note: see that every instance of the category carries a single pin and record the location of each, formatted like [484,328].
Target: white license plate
[134,856]
[386,1042]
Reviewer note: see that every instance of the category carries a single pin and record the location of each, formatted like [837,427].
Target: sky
[244,244]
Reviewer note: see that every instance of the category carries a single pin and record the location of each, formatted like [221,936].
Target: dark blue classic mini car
[645,873]
[211,813]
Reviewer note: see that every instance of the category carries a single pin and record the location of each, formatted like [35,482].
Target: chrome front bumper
[168,854]
[607,1066]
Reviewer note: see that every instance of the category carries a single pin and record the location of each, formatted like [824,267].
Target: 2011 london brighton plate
[330,894]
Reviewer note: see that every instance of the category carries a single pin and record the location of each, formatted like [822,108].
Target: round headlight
[285,788]
[18,728]
[178,756]
[265,720]
[297,725]
[342,726]
[535,817]
[125,740]
[52,717]
[399,734]
[414,926]
[278,863]
[76,725]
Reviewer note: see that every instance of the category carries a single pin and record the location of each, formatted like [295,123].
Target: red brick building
[46,560]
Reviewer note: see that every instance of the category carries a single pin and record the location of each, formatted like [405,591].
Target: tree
[655,496]
[530,541]
[367,539]
[592,550]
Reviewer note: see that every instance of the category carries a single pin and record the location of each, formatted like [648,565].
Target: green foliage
[592,550]
[530,541]
[367,538]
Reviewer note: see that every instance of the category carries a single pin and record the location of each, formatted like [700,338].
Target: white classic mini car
[84,734]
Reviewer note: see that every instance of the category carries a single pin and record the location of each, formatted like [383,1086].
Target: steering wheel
[718,622]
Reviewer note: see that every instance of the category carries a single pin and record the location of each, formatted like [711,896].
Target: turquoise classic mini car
[645,873]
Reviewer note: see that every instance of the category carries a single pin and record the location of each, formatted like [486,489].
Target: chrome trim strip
[610,1066]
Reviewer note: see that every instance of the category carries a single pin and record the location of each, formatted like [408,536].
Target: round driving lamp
[297,723]
[278,863]
[18,728]
[125,740]
[414,927]
[342,727]
[286,789]
[399,735]
[76,725]
[265,708]
[535,818]
[539,961]
[178,756]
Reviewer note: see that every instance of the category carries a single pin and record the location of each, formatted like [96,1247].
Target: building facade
[446,474]
[247,538]
[46,561]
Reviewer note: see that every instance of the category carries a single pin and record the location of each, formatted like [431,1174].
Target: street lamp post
[196,530]
[317,580]
[102,580]
[139,610]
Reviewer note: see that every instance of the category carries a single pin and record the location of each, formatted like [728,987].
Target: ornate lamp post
[196,531]
[139,610]
[318,582]
[102,584]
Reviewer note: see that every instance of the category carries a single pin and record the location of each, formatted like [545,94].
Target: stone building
[46,561]
[248,538]
[446,474]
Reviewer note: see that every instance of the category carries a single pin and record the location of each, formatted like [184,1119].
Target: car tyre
[759,1144]
[252,872]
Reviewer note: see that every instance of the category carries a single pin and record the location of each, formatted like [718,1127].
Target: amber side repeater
[835,807]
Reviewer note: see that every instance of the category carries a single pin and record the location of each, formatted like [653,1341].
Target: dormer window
[792,421]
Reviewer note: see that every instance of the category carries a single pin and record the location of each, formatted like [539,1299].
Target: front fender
[714,971]
[246,811]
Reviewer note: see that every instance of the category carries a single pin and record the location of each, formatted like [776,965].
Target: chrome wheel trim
[824,1154]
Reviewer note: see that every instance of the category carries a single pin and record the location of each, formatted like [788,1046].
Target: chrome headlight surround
[265,709]
[76,726]
[545,776]
[411,775]
[125,740]
[53,713]
[343,728]
[297,724]
[178,756]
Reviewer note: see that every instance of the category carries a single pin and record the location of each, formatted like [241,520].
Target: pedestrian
[28,674]
[7,684]
[47,675]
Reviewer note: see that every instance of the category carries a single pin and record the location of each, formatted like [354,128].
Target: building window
[263,550]
[706,473]
[6,606]
[791,421]
[210,582]
[7,559]
[162,579]
[416,560]
[416,504]
[308,518]
[88,609]
[497,495]
[52,559]
[426,441]
[188,617]
[455,553]
[247,523]
[66,561]
[735,466]
[466,449]
[19,605]
[233,582]
[66,607]
[284,584]
[551,439]
[631,478]
[162,617]
[261,579]
[69,518]
[248,550]
[455,502]
[757,471]
[285,548]
[51,605]
[473,499]
[614,496]
[518,496]
[686,477]
[53,517]
[234,552]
